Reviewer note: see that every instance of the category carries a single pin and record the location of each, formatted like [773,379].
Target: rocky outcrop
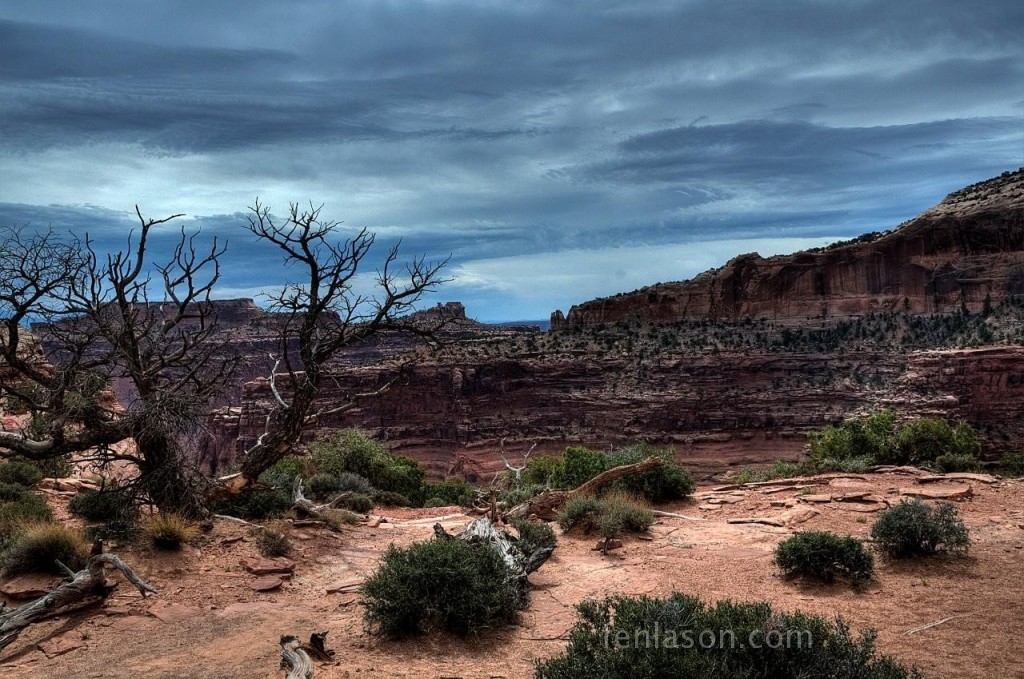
[966,249]
[714,411]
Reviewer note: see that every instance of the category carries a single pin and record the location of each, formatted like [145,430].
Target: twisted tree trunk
[86,587]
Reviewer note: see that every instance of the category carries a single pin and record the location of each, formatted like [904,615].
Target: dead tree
[297,657]
[516,471]
[103,318]
[546,505]
[85,588]
[325,314]
[485,533]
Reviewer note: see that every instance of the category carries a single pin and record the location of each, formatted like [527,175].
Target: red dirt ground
[207,623]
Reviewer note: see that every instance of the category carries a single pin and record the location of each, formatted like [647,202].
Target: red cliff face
[967,248]
[714,410]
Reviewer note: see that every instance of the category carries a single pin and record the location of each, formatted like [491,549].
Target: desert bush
[37,546]
[647,638]
[1012,464]
[443,584]
[580,511]
[103,505]
[434,502]
[956,462]
[352,450]
[533,536]
[824,556]
[391,499]
[851,465]
[168,531]
[669,481]
[284,472]
[451,492]
[357,502]
[632,511]
[273,543]
[254,504]
[578,465]
[337,517]
[913,528]
[18,505]
[517,496]
[539,470]
[878,438]
[20,473]
[321,487]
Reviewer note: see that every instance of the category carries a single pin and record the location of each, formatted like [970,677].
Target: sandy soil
[207,623]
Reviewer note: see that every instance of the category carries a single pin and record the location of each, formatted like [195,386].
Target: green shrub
[388,498]
[633,514]
[254,504]
[533,536]
[443,584]
[540,470]
[18,505]
[273,543]
[956,462]
[451,492]
[851,465]
[913,528]
[824,556]
[284,472]
[578,465]
[168,531]
[878,439]
[20,473]
[434,502]
[354,483]
[321,487]
[1012,464]
[517,496]
[36,547]
[647,638]
[102,505]
[352,450]
[357,502]
[580,511]
[669,481]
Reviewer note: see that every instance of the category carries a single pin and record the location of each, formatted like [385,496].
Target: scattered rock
[29,586]
[935,493]
[60,645]
[708,507]
[798,515]
[232,540]
[346,586]
[761,520]
[373,522]
[957,476]
[277,566]
[170,613]
[815,498]
[268,583]
[608,545]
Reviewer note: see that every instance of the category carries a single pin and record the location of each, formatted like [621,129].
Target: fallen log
[85,588]
[672,515]
[307,509]
[546,505]
[297,657]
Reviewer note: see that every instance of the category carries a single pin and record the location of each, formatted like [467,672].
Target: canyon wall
[966,249]
[715,411]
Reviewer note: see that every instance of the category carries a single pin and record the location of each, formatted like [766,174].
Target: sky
[557,151]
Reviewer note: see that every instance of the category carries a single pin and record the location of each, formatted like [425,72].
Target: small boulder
[267,583]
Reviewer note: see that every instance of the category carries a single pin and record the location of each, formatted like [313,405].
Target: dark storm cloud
[497,130]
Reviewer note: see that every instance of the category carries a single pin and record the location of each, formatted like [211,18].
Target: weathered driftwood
[294,659]
[297,657]
[520,563]
[306,508]
[546,505]
[673,515]
[85,588]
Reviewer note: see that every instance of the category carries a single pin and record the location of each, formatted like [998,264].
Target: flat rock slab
[815,498]
[863,507]
[267,583]
[765,521]
[798,515]
[29,586]
[957,476]
[346,586]
[60,645]
[171,613]
[278,566]
[958,492]
[708,507]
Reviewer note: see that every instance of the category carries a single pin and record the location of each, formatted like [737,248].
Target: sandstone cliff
[967,248]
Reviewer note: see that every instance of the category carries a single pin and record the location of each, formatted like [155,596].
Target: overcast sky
[558,150]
